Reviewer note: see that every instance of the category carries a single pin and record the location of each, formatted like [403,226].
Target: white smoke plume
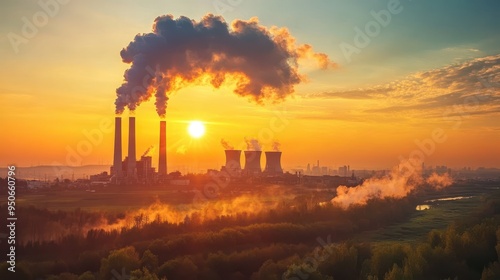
[253,144]
[402,180]
[439,181]
[226,145]
[276,146]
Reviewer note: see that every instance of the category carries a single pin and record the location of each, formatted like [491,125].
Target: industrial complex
[129,169]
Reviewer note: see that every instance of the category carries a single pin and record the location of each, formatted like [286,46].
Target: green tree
[20,273]
[181,268]
[63,276]
[492,272]
[143,274]
[125,259]
[415,265]
[396,273]
[87,275]
[269,271]
[340,261]
[149,261]
[385,257]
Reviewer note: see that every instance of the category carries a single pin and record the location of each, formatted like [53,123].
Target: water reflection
[449,198]
[423,207]
[427,206]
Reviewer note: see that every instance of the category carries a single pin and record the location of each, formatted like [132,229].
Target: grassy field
[107,200]
[120,200]
[439,216]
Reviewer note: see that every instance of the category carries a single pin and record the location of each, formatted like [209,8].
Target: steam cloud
[226,145]
[439,181]
[204,211]
[253,144]
[262,62]
[276,146]
[398,184]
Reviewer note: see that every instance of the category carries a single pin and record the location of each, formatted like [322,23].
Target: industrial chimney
[273,163]
[233,165]
[131,166]
[252,162]
[117,156]
[162,158]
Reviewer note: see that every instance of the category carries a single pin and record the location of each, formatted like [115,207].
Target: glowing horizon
[381,102]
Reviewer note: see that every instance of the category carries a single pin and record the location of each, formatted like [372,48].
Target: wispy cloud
[474,84]
[362,93]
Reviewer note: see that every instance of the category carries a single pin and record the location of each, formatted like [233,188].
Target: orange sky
[63,82]
[307,129]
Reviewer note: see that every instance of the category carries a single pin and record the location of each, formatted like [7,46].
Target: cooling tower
[131,165]
[273,163]
[117,156]
[162,157]
[252,162]
[233,165]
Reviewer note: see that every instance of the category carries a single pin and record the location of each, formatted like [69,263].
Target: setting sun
[196,129]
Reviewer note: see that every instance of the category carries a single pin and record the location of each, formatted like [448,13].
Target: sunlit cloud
[474,84]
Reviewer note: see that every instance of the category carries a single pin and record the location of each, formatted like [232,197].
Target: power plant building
[145,171]
[131,163]
[233,164]
[130,169]
[273,163]
[252,163]
[116,170]
[162,156]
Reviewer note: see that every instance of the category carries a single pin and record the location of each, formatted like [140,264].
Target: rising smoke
[226,145]
[261,61]
[276,146]
[402,180]
[253,204]
[253,144]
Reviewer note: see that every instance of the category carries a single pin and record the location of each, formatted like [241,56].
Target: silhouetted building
[345,171]
[233,165]
[273,163]
[131,164]
[162,156]
[252,163]
[145,172]
[117,153]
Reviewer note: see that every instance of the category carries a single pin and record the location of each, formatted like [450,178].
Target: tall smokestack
[117,158]
[162,159]
[131,168]
[273,163]
[252,162]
